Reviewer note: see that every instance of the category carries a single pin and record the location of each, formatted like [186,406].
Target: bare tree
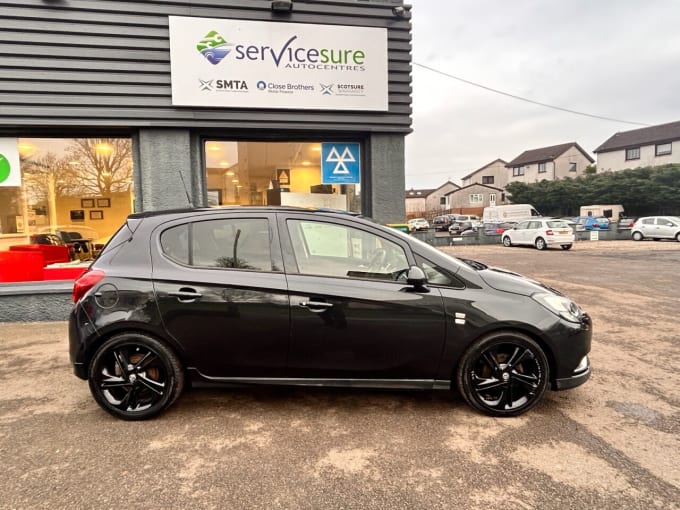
[101,165]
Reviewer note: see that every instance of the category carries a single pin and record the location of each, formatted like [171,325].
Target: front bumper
[577,379]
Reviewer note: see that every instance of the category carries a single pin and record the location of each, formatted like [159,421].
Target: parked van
[613,212]
[511,212]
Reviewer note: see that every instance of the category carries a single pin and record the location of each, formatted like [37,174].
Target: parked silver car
[541,233]
[656,227]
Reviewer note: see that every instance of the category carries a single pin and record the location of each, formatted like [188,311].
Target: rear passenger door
[221,291]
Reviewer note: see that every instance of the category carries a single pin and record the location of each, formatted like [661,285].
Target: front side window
[648,221]
[663,149]
[633,153]
[330,249]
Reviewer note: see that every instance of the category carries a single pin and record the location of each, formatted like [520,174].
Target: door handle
[186,294]
[316,306]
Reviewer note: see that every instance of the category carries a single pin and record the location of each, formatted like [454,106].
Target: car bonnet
[508,281]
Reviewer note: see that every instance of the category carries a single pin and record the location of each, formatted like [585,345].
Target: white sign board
[266,64]
[10,172]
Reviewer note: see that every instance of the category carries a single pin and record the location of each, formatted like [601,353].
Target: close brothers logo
[215,48]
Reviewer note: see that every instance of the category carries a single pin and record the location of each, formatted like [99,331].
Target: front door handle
[186,294]
[316,306]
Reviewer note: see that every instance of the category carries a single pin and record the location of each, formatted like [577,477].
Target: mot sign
[267,64]
[340,163]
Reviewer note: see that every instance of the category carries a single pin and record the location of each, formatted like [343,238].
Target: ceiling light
[214,148]
[306,163]
[103,148]
[234,180]
[230,173]
[316,148]
[224,164]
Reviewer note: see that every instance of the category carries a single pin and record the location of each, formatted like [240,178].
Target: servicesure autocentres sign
[257,64]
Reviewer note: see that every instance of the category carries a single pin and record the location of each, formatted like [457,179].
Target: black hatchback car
[264,295]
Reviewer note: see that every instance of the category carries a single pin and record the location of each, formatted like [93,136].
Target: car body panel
[657,227]
[553,232]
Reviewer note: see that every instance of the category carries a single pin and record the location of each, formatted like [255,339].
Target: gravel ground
[612,443]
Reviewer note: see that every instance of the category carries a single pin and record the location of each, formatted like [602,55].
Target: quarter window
[663,149]
[633,153]
[329,249]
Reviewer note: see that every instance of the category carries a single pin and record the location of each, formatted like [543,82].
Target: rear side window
[239,243]
[558,224]
[648,221]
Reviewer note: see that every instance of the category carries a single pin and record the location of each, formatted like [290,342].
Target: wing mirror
[416,277]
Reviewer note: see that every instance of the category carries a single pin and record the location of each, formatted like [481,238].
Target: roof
[499,160]
[546,154]
[422,193]
[493,188]
[643,136]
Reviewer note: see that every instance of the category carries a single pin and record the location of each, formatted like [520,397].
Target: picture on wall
[96,215]
[103,202]
[77,215]
[87,202]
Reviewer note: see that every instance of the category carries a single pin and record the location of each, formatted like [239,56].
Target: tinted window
[535,224]
[242,243]
[337,250]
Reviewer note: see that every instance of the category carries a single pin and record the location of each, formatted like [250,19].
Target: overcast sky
[613,58]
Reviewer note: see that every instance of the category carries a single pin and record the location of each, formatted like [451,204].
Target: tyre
[566,246]
[540,244]
[677,237]
[503,374]
[637,236]
[134,377]
[507,242]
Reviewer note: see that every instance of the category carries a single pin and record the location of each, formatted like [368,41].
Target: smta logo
[326,90]
[214,47]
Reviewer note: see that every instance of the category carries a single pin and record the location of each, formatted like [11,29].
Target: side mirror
[416,277]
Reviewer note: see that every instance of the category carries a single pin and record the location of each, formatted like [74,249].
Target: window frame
[573,166]
[517,171]
[542,168]
[633,151]
[657,152]
[476,198]
[487,179]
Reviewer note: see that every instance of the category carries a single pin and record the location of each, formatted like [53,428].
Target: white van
[511,212]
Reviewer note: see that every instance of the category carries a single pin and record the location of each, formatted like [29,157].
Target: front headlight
[559,305]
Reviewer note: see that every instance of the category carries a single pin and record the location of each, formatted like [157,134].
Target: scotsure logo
[214,47]
[289,55]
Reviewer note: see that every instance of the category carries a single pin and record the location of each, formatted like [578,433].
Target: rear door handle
[186,294]
[316,306]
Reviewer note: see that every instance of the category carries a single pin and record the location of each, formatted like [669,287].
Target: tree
[102,165]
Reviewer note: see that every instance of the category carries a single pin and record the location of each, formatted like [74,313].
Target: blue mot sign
[340,163]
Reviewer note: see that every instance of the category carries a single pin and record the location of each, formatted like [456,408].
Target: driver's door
[352,314]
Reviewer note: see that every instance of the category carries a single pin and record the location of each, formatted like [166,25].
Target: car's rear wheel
[540,244]
[677,237]
[566,246]
[503,374]
[134,377]
[507,242]
[637,236]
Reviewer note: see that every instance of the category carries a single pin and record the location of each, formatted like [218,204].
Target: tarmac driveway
[612,443]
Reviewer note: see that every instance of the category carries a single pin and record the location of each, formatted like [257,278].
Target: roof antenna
[185,188]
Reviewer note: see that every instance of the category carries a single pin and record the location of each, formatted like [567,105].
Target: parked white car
[419,224]
[656,227]
[541,233]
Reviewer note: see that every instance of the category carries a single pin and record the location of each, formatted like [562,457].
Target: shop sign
[340,163]
[267,64]
[10,172]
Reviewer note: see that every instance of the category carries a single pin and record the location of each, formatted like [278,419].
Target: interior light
[214,148]
[230,173]
[25,148]
[306,163]
[103,147]
[316,148]
[234,180]
[224,164]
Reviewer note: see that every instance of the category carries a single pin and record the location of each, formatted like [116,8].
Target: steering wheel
[377,260]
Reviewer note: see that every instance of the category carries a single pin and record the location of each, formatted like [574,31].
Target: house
[650,146]
[549,163]
[492,174]
[428,202]
[473,198]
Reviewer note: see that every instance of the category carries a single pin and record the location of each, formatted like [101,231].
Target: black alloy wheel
[134,377]
[503,374]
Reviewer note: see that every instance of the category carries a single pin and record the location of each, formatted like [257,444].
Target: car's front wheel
[566,246]
[637,236]
[503,374]
[507,242]
[540,244]
[134,377]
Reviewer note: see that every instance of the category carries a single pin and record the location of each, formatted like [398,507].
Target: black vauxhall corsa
[276,295]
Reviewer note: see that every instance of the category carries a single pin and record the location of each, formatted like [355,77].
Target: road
[613,443]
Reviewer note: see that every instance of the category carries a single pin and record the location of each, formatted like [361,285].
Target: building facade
[549,163]
[473,198]
[650,146]
[492,174]
[428,202]
[128,107]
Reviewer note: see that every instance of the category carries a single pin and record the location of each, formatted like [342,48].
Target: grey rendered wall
[79,65]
